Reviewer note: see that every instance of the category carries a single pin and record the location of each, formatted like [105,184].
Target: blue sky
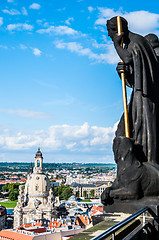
[59,86]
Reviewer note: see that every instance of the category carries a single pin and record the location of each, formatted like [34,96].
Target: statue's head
[112,26]
[153,40]
[127,153]
[122,147]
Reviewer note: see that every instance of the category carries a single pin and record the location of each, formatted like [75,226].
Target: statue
[37,203]
[154,41]
[135,177]
[20,196]
[50,198]
[141,69]
[137,156]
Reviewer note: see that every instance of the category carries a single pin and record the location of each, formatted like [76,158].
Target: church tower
[36,202]
[38,162]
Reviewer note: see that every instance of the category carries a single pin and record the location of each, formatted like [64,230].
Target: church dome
[37,184]
[36,201]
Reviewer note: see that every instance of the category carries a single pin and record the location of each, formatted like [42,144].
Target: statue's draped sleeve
[143,107]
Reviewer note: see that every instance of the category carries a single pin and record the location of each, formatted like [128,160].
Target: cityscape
[55,203]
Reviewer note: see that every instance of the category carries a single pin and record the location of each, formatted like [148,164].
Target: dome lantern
[38,167]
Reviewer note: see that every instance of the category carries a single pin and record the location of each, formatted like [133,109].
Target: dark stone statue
[141,69]
[135,177]
[137,157]
[154,41]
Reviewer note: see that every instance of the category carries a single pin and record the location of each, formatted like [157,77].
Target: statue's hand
[105,197]
[117,39]
[122,67]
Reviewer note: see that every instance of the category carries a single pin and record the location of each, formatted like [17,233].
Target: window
[36,188]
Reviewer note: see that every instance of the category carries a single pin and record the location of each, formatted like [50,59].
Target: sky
[58,83]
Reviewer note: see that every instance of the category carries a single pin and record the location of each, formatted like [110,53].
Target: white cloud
[35,6]
[142,22]
[61,9]
[11,12]
[37,52]
[74,47]
[24,11]
[25,113]
[23,47]
[3,46]
[20,27]
[1,21]
[91,9]
[109,57]
[69,20]
[84,138]
[60,30]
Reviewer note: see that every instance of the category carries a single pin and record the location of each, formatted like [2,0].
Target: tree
[64,191]
[5,188]
[84,193]
[92,193]
[60,188]
[55,190]
[12,196]
[13,189]
[67,192]
[77,194]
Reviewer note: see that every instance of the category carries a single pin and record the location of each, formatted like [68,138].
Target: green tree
[60,189]
[84,193]
[67,192]
[13,189]
[5,188]
[64,191]
[12,196]
[56,191]
[92,193]
[77,194]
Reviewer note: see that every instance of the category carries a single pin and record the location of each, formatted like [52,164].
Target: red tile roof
[54,224]
[82,221]
[14,235]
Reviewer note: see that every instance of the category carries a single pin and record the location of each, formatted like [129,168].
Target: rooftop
[15,235]
[93,231]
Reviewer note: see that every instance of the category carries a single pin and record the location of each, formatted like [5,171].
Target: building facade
[89,190]
[36,201]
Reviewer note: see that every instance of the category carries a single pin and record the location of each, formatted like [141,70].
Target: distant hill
[23,167]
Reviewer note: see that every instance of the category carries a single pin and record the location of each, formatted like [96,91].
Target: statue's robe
[143,109]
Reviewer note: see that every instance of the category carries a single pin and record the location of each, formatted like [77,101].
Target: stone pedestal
[132,206]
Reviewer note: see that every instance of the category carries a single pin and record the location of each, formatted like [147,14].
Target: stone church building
[36,201]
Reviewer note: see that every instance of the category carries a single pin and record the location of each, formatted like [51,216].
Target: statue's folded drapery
[143,109]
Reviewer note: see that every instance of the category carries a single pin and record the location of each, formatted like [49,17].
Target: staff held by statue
[126,119]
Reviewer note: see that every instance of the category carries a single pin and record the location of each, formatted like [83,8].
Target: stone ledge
[132,206]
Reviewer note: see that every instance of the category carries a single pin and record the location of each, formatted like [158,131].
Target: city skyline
[59,86]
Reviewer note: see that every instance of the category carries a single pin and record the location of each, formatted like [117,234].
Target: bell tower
[38,167]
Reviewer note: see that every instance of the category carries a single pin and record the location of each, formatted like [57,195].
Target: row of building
[36,215]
